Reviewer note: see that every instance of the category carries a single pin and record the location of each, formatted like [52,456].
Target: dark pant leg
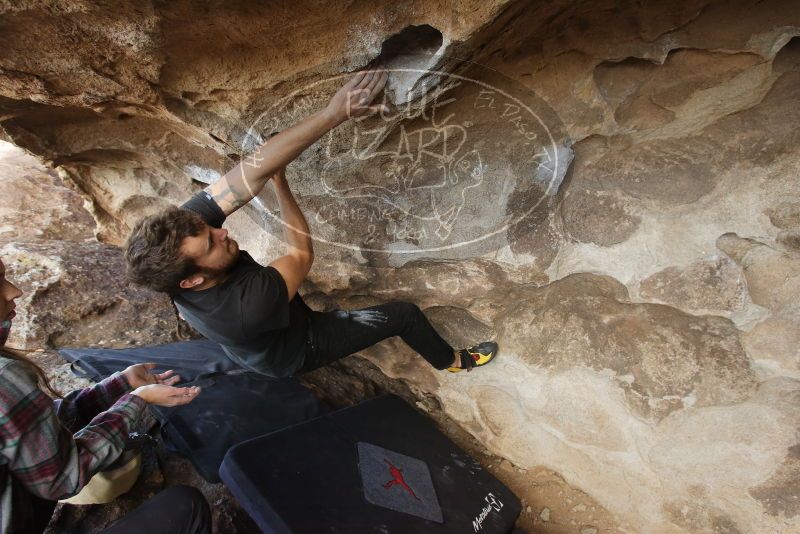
[176,510]
[340,333]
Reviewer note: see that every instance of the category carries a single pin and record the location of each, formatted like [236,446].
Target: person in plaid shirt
[49,450]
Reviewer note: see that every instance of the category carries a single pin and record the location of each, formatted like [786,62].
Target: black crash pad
[190,358]
[233,407]
[377,467]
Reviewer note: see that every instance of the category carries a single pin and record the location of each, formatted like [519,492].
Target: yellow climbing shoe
[476,356]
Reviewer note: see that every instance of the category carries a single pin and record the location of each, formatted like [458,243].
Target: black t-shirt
[249,314]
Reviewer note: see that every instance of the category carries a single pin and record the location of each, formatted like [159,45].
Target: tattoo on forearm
[233,196]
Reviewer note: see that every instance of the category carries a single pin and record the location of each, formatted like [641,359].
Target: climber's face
[214,254]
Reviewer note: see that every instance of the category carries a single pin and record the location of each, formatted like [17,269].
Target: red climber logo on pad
[397,482]
[397,478]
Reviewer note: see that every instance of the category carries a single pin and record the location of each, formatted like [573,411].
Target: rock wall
[73,290]
[609,188]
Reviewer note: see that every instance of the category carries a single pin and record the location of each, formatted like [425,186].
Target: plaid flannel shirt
[50,449]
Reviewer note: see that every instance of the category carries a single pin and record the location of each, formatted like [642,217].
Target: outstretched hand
[354,98]
[140,375]
[163,395]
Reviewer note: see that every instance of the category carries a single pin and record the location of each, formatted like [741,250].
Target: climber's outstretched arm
[245,180]
[294,266]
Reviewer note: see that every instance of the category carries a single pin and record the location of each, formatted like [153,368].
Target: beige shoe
[106,486]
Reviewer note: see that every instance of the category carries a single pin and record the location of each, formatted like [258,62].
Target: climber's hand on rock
[279,176]
[354,98]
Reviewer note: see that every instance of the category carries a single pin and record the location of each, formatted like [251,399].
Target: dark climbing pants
[176,510]
[334,335]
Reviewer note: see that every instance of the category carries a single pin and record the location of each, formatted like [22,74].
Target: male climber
[255,312]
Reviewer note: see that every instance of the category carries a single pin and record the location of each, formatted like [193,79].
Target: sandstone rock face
[715,285]
[608,188]
[663,359]
[76,296]
[35,205]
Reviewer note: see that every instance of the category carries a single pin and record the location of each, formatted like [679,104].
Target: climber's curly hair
[153,250]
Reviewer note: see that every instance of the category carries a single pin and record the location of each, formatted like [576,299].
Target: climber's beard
[221,272]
